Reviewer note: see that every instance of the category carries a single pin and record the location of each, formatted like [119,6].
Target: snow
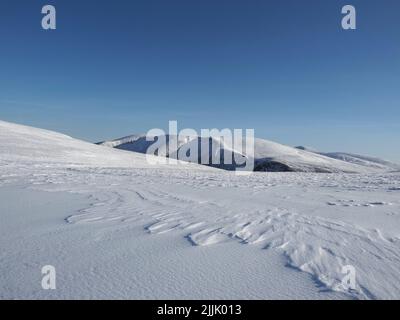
[26,144]
[365,161]
[115,226]
[268,155]
[301,160]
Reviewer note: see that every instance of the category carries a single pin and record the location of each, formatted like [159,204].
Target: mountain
[268,156]
[310,149]
[19,143]
[188,148]
[139,143]
[365,161]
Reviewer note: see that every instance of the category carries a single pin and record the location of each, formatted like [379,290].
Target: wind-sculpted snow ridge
[318,246]
[318,223]
[312,244]
[213,208]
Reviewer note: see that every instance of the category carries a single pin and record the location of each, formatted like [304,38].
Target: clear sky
[285,68]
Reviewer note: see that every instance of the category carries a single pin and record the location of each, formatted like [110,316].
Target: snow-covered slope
[139,143]
[268,155]
[365,161]
[24,143]
[115,227]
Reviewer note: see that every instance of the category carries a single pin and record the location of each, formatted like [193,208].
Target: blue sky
[284,68]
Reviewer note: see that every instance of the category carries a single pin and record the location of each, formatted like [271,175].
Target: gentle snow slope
[299,160]
[268,155]
[206,229]
[24,143]
[365,161]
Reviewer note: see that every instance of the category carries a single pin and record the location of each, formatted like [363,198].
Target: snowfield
[268,155]
[117,227]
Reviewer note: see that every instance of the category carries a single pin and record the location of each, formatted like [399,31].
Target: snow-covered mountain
[24,143]
[272,156]
[268,156]
[138,224]
[32,144]
[139,143]
[365,161]
[19,143]
[180,148]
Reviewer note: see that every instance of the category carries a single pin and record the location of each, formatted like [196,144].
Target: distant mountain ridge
[268,156]
[34,145]
[361,160]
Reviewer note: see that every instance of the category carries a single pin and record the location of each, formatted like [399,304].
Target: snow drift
[314,223]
